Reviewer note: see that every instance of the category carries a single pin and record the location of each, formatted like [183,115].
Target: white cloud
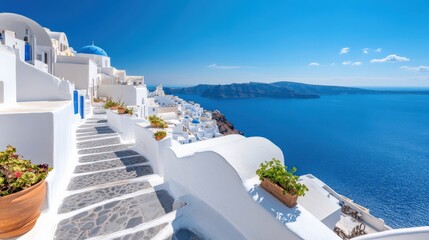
[369,50]
[344,50]
[416,69]
[352,63]
[314,64]
[215,66]
[391,58]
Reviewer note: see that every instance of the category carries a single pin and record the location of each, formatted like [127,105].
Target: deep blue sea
[373,149]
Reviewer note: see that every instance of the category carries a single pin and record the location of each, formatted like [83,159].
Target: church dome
[92,49]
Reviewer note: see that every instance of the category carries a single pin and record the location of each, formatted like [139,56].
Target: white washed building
[212,184]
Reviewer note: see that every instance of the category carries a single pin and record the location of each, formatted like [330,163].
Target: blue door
[82,107]
[75,102]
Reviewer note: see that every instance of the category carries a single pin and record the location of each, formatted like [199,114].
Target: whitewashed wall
[123,124]
[220,173]
[149,147]
[207,176]
[80,71]
[7,76]
[129,94]
[33,84]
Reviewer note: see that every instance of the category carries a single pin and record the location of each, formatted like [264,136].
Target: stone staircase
[110,195]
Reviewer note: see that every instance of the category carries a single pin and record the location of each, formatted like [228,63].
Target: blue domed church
[96,53]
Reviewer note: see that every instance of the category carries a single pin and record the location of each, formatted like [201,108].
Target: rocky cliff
[225,127]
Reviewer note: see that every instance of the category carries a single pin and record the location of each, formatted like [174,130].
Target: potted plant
[113,105]
[110,104]
[97,100]
[121,110]
[129,111]
[157,122]
[281,183]
[22,192]
[159,135]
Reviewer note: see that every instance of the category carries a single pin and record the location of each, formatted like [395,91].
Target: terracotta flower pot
[113,108]
[121,110]
[19,211]
[287,199]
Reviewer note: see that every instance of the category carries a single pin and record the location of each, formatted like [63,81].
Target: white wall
[207,176]
[221,173]
[123,124]
[33,84]
[131,95]
[80,71]
[7,75]
[101,61]
[149,147]
[199,217]
[63,151]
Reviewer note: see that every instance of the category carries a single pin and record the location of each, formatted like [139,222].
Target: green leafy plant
[159,135]
[129,111]
[17,174]
[96,100]
[157,122]
[110,103]
[278,174]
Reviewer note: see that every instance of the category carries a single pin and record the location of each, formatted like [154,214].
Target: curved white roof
[19,23]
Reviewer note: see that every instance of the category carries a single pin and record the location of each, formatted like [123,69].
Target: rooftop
[92,49]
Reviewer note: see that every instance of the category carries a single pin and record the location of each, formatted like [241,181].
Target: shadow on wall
[276,208]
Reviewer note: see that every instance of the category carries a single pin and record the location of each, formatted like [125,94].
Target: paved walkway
[110,195]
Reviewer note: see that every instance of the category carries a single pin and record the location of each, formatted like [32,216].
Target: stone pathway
[110,190]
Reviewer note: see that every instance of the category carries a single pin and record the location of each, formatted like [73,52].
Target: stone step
[112,148]
[94,179]
[104,165]
[87,134]
[99,142]
[93,129]
[107,135]
[144,234]
[108,155]
[96,119]
[92,125]
[115,216]
[84,199]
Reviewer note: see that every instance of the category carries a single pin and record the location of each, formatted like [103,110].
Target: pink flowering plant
[17,174]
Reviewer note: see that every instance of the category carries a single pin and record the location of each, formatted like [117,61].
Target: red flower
[18,174]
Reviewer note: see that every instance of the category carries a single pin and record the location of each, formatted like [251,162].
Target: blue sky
[180,42]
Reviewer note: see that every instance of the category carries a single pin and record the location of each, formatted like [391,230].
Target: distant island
[275,90]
